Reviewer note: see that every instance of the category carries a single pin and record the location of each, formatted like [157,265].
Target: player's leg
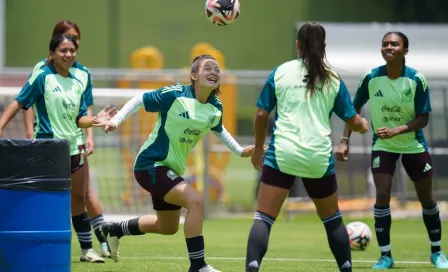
[165,222]
[383,166]
[185,195]
[419,169]
[80,219]
[158,184]
[94,211]
[323,192]
[274,188]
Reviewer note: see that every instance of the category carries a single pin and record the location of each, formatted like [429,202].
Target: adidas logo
[184,115]
[427,168]
[347,264]
[379,94]
[57,89]
[253,264]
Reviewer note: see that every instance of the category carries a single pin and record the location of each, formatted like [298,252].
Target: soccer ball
[222,12]
[359,234]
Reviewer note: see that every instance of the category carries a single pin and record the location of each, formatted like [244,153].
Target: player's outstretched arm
[103,116]
[128,109]
[9,113]
[226,138]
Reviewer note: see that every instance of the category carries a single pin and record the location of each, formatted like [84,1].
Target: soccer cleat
[439,260]
[384,262]
[208,268]
[105,250]
[90,256]
[112,241]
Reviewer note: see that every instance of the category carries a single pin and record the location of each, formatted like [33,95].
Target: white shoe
[112,241]
[90,256]
[105,250]
[208,268]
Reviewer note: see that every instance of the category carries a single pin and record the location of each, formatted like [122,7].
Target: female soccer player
[59,100]
[186,114]
[304,92]
[400,106]
[94,209]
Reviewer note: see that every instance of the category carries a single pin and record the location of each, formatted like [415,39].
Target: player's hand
[365,126]
[90,145]
[386,133]
[257,157]
[342,151]
[106,114]
[108,126]
[247,151]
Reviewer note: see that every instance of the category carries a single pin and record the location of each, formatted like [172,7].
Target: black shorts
[315,187]
[77,163]
[158,181]
[418,166]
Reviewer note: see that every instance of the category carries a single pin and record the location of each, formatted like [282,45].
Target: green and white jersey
[394,103]
[82,73]
[58,102]
[182,122]
[300,144]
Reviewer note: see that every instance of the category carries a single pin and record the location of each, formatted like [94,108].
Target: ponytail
[311,37]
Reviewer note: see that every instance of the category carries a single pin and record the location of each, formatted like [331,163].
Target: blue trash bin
[35,222]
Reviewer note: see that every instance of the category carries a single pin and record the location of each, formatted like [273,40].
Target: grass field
[239,181]
[298,245]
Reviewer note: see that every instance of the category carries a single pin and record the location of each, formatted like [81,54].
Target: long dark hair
[403,37]
[311,37]
[195,68]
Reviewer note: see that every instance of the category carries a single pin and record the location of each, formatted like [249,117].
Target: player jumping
[186,114]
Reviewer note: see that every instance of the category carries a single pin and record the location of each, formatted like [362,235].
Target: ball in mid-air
[359,234]
[222,12]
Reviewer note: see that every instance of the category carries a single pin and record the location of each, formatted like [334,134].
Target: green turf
[303,238]
[239,182]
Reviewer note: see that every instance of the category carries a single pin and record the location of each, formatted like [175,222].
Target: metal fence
[230,182]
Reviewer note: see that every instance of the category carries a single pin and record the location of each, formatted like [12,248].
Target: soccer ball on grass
[359,234]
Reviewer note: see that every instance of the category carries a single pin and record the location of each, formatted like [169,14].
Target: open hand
[106,114]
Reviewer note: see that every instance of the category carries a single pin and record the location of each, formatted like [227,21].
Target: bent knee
[196,201]
[169,229]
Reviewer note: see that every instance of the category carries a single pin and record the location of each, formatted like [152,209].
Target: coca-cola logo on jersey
[391,109]
[192,131]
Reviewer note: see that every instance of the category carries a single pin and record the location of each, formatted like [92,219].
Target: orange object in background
[218,161]
[135,131]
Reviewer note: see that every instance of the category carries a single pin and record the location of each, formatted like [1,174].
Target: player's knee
[169,229]
[196,201]
[382,196]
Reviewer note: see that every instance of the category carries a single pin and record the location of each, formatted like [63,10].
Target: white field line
[265,259]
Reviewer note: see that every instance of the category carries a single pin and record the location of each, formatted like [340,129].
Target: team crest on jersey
[406,94]
[211,121]
[170,174]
